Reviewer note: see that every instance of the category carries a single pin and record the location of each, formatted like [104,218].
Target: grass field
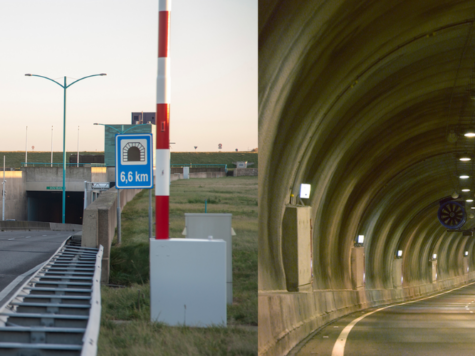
[125,325]
[14,159]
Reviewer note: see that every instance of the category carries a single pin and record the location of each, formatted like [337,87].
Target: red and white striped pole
[162,173]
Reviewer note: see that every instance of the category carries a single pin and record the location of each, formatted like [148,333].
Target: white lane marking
[11,239]
[27,237]
[17,280]
[339,348]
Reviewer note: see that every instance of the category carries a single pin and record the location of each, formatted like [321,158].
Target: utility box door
[200,226]
[188,282]
[186,172]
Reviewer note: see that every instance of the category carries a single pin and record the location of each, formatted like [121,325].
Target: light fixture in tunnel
[470,133]
[469,200]
[305,191]
[399,253]
[466,253]
[465,190]
[464,176]
[360,240]
[464,158]
[434,257]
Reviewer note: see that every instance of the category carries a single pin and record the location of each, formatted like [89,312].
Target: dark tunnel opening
[47,207]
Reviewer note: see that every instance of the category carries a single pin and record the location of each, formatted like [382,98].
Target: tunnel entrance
[47,206]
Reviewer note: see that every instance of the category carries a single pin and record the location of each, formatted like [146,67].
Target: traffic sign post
[133,166]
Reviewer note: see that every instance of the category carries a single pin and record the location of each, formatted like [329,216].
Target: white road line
[18,280]
[339,348]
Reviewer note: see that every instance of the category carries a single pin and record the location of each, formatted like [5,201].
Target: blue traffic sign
[133,157]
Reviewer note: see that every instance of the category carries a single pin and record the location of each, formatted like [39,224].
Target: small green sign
[54,188]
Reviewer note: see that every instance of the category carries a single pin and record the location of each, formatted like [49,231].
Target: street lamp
[65,86]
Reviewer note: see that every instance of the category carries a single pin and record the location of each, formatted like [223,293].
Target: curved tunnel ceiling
[359,100]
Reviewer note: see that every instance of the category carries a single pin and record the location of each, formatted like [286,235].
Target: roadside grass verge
[125,321]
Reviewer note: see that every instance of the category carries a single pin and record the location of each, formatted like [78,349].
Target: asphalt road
[438,326]
[21,251]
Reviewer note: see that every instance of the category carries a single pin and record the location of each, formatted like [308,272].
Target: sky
[213,53]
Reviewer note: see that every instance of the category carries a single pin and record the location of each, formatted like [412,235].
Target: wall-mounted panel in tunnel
[297,247]
[47,206]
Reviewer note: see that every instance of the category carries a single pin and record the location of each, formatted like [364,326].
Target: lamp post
[78,150]
[3,190]
[26,147]
[51,146]
[64,86]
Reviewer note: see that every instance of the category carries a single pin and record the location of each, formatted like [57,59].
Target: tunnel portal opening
[47,207]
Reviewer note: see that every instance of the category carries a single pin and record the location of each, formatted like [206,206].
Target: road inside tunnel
[439,325]
[47,206]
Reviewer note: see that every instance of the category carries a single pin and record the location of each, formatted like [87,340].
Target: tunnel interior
[370,103]
[47,206]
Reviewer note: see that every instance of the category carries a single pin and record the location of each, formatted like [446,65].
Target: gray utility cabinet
[201,226]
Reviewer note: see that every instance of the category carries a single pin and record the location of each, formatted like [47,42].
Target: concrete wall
[239,172]
[99,174]
[39,178]
[15,196]
[110,174]
[100,221]
[287,318]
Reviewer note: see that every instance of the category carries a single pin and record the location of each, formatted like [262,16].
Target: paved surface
[438,326]
[21,251]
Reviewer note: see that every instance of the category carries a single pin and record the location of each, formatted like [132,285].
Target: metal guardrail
[201,165]
[57,310]
[48,164]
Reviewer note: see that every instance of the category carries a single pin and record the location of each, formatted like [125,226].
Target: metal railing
[48,164]
[57,311]
[201,165]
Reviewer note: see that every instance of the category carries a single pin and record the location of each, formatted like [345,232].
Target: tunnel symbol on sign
[133,152]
